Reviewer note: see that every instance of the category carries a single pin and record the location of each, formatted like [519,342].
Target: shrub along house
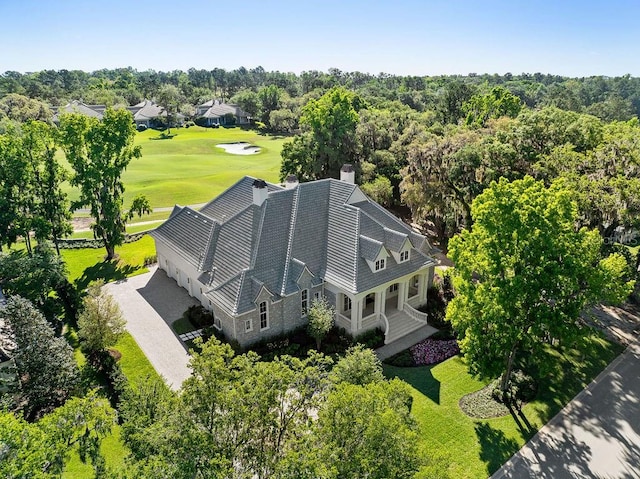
[259,253]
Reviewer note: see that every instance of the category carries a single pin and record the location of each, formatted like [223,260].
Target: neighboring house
[77,106]
[259,253]
[215,113]
[145,113]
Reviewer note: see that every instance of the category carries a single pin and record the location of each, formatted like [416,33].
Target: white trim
[250,323]
[266,313]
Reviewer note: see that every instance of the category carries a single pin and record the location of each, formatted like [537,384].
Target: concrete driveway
[150,302]
[597,435]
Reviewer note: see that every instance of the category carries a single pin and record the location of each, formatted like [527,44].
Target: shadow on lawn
[495,447]
[106,270]
[420,378]
[572,370]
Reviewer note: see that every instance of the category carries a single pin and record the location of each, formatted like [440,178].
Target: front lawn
[459,447]
[86,265]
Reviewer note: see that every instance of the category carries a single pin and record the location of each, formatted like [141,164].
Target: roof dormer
[374,252]
[404,252]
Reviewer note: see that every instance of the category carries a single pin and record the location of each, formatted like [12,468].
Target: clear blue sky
[410,37]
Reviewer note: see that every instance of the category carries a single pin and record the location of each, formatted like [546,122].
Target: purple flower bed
[431,351]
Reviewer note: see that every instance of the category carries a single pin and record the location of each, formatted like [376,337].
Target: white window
[316,295]
[380,264]
[393,288]
[304,301]
[404,256]
[248,325]
[264,316]
[346,303]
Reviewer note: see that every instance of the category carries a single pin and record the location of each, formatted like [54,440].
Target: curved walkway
[150,302]
[597,435]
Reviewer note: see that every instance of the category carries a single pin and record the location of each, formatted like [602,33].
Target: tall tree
[321,315]
[52,214]
[270,99]
[170,97]
[47,371]
[100,322]
[331,122]
[99,152]
[367,431]
[36,277]
[606,179]
[15,190]
[24,449]
[78,426]
[495,104]
[524,275]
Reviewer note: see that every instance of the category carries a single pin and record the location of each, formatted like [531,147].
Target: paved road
[150,302]
[597,435]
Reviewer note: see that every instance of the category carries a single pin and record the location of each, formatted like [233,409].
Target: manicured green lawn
[134,363]
[459,447]
[189,169]
[86,265]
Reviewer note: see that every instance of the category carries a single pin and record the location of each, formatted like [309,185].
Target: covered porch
[392,307]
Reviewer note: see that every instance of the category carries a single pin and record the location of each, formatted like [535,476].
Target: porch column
[356,314]
[403,287]
[422,286]
[376,306]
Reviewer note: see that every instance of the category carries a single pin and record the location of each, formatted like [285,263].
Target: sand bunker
[241,148]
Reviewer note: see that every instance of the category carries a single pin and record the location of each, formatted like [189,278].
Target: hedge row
[81,243]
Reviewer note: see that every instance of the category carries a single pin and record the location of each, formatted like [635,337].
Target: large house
[213,112]
[258,254]
[145,113]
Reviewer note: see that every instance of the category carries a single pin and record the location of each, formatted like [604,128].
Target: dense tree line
[262,93]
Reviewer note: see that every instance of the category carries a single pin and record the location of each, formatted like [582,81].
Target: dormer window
[380,264]
[404,256]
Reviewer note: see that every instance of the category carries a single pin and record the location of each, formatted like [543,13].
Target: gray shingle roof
[216,109]
[370,248]
[187,232]
[240,247]
[234,200]
[146,110]
[76,106]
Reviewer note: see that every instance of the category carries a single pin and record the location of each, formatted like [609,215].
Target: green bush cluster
[522,389]
[198,316]
[83,243]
